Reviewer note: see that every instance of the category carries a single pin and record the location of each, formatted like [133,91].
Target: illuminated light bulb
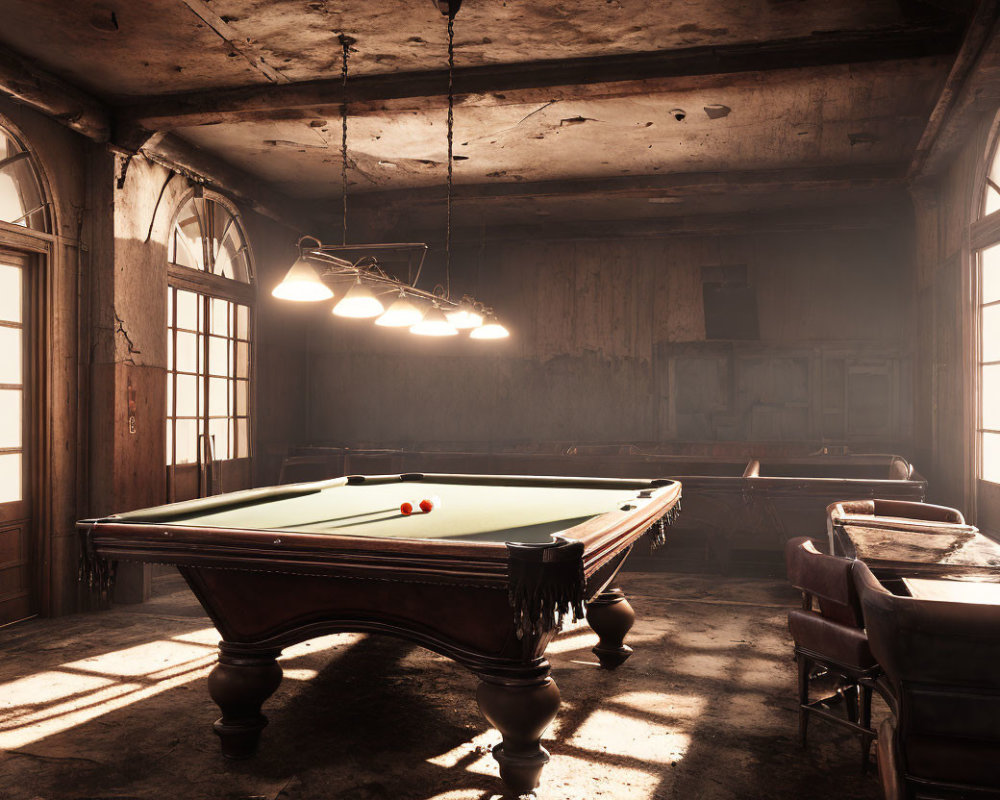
[491,330]
[401,314]
[359,303]
[302,284]
[434,323]
[464,317]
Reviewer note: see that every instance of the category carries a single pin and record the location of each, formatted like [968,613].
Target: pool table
[738,509]
[484,578]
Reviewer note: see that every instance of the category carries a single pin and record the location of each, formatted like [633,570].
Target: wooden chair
[940,662]
[830,641]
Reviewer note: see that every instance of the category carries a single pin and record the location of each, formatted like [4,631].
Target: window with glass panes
[12,385]
[209,327]
[22,200]
[989,363]
[208,388]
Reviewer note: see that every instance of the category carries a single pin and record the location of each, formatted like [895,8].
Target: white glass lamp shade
[302,284]
[434,323]
[464,317]
[401,314]
[359,303]
[491,330]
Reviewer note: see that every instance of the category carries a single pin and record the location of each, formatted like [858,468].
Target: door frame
[34,260]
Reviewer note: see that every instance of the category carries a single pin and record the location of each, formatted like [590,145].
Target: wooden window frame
[207,286]
[36,249]
[984,232]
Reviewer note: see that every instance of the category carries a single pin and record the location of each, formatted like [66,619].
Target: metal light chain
[345,43]
[451,144]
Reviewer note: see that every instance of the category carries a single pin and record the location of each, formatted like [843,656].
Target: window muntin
[209,327]
[207,237]
[11,384]
[988,318]
[22,200]
[208,383]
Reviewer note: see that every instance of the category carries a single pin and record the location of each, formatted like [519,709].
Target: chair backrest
[825,577]
[899,509]
[941,659]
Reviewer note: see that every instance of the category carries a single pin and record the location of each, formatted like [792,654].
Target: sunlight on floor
[563,773]
[703,665]
[676,706]
[43,705]
[641,729]
[37,706]
[640,726]
[578,641]
[474,755]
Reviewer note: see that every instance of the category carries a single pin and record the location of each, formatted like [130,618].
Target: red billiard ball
[426,506]
[406,509]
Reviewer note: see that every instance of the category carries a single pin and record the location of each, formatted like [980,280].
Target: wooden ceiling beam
[678,184]
[862,217]
[305,99]
[25,82]
[880,216]
[236,43]
[969,90]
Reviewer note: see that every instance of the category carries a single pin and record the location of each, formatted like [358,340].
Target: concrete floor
[114,705]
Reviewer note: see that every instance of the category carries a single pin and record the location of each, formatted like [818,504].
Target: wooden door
[17,599]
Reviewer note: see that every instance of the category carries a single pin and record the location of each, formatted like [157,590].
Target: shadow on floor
[114,705]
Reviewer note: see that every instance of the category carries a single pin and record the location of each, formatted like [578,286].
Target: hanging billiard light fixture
[466,314]
[401,314]
[302,282]
[490,329]
[359,303]
[434,323]
[362,266]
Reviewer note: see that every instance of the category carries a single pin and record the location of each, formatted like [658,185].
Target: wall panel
[609,345]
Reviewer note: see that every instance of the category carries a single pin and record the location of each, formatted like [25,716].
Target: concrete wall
[609,345]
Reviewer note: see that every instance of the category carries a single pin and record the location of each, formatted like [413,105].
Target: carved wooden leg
[239,684]
[521,709]
[611,617]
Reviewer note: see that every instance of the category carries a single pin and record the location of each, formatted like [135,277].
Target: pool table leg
[239,684]
[521,709]
[611,617]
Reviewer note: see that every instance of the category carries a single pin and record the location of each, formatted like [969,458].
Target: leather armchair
[828,633]
[941,663]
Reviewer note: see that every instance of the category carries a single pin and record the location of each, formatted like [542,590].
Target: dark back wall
[609,345]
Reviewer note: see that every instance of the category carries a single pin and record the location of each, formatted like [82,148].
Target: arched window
[22,200]
[23,203]
[985,236]
[209,330]
[207,236]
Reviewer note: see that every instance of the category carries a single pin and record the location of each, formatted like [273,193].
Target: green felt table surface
[467,512]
